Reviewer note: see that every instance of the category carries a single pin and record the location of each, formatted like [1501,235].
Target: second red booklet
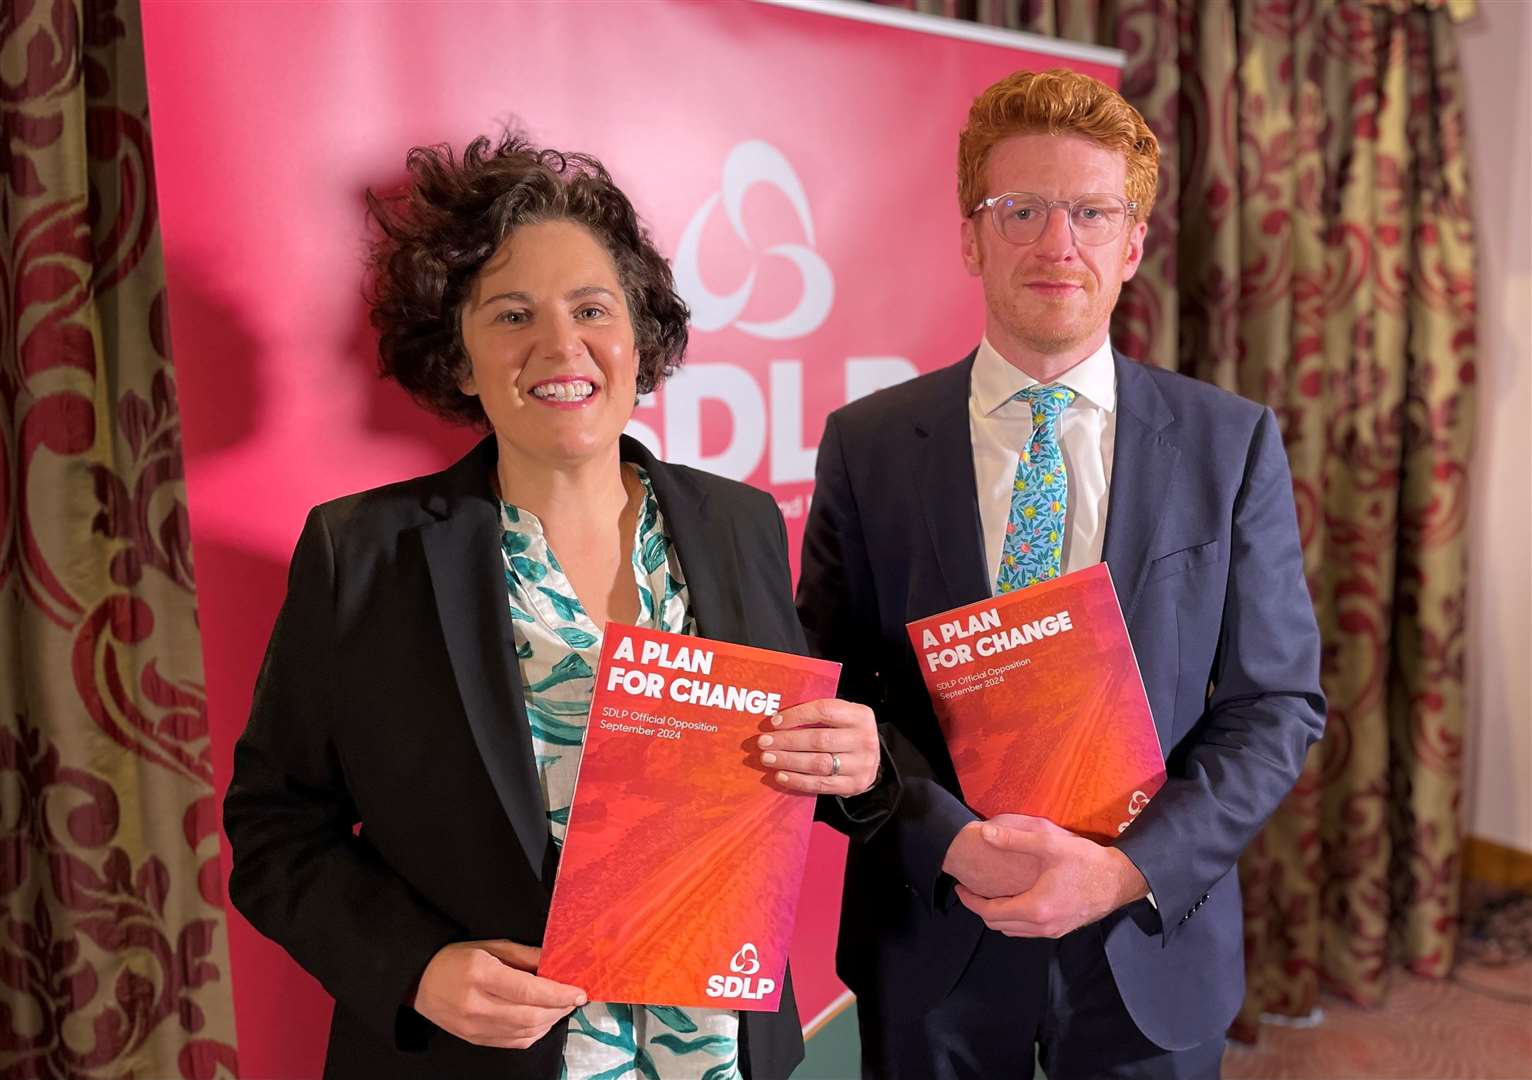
[1040,699]
[681,865]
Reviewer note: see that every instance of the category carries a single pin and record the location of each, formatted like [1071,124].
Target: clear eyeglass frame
[1114,210]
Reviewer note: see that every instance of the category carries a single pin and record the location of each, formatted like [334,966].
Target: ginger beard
[1056,321]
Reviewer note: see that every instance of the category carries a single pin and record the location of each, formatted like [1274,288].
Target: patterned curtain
[113,952]
[1312,249]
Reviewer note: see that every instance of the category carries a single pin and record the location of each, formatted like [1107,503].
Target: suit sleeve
[908,813]
[1266,708]
[857,816]
[300,874]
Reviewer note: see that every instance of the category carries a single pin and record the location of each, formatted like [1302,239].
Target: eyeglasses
[1021,216]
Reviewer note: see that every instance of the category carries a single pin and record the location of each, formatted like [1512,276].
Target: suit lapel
[704,544]
[463,553]
[949,491]
[1143,469]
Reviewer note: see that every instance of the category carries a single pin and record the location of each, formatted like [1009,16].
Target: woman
[429,675]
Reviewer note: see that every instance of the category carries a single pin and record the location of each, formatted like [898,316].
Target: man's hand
[488,993]
[1078,880]
[825,747]
[985,869]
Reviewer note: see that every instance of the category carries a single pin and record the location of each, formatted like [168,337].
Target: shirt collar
[995,380]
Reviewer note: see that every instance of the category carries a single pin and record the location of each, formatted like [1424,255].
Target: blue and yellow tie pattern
[1034,536]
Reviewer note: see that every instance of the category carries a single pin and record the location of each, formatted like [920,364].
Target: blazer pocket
[1179,562]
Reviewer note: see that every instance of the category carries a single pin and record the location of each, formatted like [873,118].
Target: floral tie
[1034,536]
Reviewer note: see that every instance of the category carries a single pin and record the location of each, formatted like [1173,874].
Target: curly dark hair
[452,216]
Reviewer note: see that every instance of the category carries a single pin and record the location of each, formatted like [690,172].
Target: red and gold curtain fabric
[1312,249]
[113,950]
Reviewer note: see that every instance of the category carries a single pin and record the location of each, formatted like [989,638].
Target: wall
[1495,45]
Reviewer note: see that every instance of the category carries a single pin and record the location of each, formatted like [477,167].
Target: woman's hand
[488,993]
[825,747]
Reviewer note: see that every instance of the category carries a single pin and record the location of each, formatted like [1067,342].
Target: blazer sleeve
[300,874]
[1265,710]
[908,813]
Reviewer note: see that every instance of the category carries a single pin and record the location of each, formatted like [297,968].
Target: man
[971,945]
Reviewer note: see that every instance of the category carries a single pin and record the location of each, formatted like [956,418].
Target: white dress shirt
[1000,427]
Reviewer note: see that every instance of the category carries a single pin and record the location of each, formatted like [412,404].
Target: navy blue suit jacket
[1202,541]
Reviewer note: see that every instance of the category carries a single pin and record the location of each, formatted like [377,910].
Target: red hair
[1057,102]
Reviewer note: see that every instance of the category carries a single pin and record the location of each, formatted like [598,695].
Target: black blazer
[390,697]
[1202,541]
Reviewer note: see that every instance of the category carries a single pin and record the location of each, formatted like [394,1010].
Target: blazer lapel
[1143,469]
[463,553]
[704,544]
[949,490]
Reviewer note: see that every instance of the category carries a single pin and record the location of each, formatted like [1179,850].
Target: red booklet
[681,865]
[1039,696]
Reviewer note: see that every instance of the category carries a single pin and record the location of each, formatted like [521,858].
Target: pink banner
[796,164]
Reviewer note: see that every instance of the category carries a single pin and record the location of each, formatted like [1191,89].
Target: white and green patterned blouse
[558,647]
